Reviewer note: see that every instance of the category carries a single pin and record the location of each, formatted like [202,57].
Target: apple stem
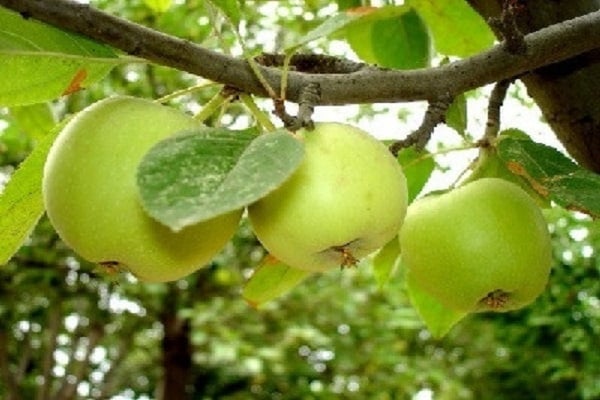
[496,299]
[348,260]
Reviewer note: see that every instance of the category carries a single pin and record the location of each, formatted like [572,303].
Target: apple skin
[484,246]
[347,199]
[91,196]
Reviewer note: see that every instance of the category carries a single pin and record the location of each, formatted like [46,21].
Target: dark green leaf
[417,167]
[456,28]
[271,280]
[212,171]
[39,62]
[397,41]
[345,4]
[552,174]
[386,261]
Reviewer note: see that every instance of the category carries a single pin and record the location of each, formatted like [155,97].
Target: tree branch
[546,46]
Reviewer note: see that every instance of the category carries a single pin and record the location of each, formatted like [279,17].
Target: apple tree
[184,142]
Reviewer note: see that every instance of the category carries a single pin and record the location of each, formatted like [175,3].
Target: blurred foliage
[73,331]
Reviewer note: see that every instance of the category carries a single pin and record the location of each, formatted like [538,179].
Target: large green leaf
[457,29]
[34,120]
[397,41]
[271,280]
[204,173]
[21,203]
[39,62]
[552,174]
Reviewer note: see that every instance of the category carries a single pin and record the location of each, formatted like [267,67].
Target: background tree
[70,330]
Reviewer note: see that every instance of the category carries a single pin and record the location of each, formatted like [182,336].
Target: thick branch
[549,45]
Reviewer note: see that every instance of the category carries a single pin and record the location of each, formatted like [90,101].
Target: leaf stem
[211,107]
[261,117]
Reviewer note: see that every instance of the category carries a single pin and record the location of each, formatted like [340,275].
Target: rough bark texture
[566,92]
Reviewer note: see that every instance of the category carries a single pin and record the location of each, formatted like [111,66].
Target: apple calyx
[495,300]
[347,258]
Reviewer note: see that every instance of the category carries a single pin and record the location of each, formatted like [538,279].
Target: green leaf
[212,171]
[230,8]
[21,203]
[400,41]
[40,63]
[329,27]
[271,280]
[417,167]
[158,6]
[345,4]
[552,174]
[386,262]
[456,115]
[456,28]
[438,318]
[35,120]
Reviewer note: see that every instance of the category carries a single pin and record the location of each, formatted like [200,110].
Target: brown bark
[566,92]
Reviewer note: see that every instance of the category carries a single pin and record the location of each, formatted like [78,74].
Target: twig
[546,46]
[494,105]
[312,63]
[435,114]
[506,25]
[309,97]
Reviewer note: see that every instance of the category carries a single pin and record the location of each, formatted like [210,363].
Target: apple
[91,197]
[347,199]
[484,246]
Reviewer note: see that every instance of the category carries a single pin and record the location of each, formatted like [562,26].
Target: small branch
[308,98]
[494,105]
[435,114]
[312,63]
[370,85]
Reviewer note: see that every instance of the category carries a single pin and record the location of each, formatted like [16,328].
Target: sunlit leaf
[21,203]
[39,62]
[386,261]
[271,280]
[417,167]
[158,6]
[457,28]
[438,318]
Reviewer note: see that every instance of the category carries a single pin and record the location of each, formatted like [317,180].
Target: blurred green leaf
[456,28]
[231,9]
[213,171]
[158,6]
[35,120]
[271,280]
[44,63]
[386,262]
[417,167]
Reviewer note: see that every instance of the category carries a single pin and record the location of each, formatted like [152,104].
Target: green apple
[91,197]
[347,199]
[484,246]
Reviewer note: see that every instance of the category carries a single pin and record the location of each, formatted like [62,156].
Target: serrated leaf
[212,171]
[456,115]
[417,167]
[552,174]
[386,262]
[271,280]
[438,318]
[21,203]
[230,8]
[40,63]
[398,41]
[158,6]
[457,29]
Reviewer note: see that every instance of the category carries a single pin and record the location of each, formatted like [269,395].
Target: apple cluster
[482,246]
